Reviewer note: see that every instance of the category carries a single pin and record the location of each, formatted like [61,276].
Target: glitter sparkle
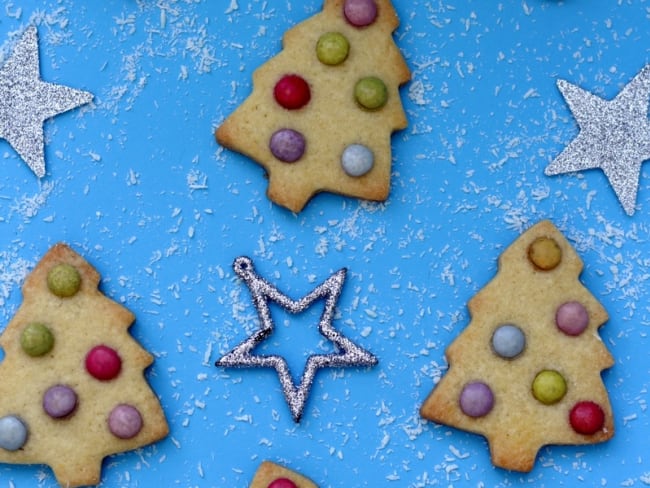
[262,292]
[614,136]
[26,102]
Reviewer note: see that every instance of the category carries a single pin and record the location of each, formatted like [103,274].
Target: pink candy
[125,421]
[572,318]
[360,13]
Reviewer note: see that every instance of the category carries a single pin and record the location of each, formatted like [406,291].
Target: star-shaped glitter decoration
[26,102]
[614,135]
[262,292]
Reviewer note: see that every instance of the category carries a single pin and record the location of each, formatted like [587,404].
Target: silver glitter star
[614,135]
[26,102]
[262,292]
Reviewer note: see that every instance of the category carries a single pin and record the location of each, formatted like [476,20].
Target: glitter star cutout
[614,136]
[262,292]
[26,102]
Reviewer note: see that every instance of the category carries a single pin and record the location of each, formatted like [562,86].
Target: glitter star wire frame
[262,292]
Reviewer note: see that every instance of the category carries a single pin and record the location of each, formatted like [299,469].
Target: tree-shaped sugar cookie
[72,389]
[322,111]
[526,372]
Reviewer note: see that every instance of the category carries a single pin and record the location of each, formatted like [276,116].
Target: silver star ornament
[262,293]
[26,101]
[614,136]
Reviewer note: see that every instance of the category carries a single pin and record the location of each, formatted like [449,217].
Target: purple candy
[360,13]
[476,399]
[287,145]
[59,401]
[572,318]
[125,421]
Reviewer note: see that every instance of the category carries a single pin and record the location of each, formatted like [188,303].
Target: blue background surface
[137,184]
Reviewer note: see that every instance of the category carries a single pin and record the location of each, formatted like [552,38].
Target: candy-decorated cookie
[72,389]
[526,371]
[322,111]
[271,475]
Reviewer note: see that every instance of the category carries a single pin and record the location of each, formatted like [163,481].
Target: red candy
[103,363]
[587,417]
[292,92]
[282,483]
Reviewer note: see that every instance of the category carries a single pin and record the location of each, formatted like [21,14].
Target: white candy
[357,160]
[508,341]
[13,433]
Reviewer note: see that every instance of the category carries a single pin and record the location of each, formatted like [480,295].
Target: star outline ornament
[614,136]
[349,355]
[26,101]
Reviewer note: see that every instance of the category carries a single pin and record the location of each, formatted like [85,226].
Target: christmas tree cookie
[526,371]
[271,475]
[322,111]
[72,389]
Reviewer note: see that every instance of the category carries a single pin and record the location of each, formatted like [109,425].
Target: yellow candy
[371,93]
[64,280]
[545,253]
[36,339]
[549,387]
[332,48]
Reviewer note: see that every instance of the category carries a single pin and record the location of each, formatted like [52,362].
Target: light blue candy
[508,341]
[357,160]
[13,433]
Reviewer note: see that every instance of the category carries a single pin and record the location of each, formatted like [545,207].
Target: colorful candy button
[508,341]
[13,433]
[371,93]
[357,160]
[549,387]
[63,280]
[59,401]
[572,318]
[292,92]
[476,399]
[287,145]
[545,253]
[360,13]
[282,483]
[103,363]
[332,48]
[125,421]
[587,417]
[36,339]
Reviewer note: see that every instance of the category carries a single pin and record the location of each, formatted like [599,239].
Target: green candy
[64,280]
[549,387]
[332,48]
[371,93]
[36,339]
